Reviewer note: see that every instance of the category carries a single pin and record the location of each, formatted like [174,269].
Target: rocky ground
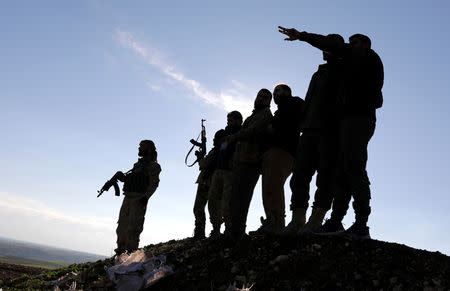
[306,262]
[8,271]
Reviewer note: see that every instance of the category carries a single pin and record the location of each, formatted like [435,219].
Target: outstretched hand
[293,33]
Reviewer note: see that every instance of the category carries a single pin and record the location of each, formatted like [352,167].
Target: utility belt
[136,182]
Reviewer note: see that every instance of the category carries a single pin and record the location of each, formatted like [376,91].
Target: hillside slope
[26,250]
[308,262]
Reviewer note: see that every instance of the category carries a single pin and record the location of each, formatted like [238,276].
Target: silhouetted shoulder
[154,167]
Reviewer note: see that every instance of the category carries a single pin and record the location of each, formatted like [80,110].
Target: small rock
[281,259]
[316,246]
[437,282]
[234,269]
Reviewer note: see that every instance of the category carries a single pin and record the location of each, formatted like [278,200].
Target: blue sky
[83,82]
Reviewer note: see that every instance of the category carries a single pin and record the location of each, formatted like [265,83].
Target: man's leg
[323,197]
[361,131]
[201,199]
[226,197]
[305,165]
[215,201]
[341,188]
[276,168]
[136,223]
[245,177]
[122,226]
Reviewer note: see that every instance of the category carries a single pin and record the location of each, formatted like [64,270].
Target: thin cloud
[31,207]
[230,99]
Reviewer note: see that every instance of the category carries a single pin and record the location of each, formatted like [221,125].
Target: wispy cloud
[236,98]
[31,207]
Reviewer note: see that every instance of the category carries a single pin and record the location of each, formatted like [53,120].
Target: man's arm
[257,127]
[319,41]
[207,160]
[153,179]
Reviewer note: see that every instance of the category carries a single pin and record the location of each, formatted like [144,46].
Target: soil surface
[305,262]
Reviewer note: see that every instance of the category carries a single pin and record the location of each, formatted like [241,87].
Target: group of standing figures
[336,121]
[326,133]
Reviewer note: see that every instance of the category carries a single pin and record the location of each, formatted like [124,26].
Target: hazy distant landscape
[36,255]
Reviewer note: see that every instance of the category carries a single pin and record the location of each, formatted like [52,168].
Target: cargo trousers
[352,179]
[219,197]
[131,222]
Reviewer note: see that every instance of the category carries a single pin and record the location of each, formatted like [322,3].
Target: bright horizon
[82,83]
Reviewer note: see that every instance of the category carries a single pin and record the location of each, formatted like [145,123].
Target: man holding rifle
[139,185]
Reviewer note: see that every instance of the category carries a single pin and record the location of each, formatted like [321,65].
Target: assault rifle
[119,176]
[201,152]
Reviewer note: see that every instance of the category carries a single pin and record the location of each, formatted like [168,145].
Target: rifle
[119,176]
[201,152]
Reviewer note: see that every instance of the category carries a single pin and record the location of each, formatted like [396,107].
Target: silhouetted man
[278,158]
[207,167]
[219,195]
[317,149]
[360,97]
[247,162]
[139,186]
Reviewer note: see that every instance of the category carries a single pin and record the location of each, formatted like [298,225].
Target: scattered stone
[281,259]
[316,246]
[393,280]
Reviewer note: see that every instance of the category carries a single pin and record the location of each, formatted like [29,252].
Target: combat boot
[331,226]
[358,231]
[314,223]
[297,222]
[199,232]
[215,231]
[265,227]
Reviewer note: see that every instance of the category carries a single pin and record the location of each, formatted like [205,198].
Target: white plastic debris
[63,280]
[137,271]
[234,288]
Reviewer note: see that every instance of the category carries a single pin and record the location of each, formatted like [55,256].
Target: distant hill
[20,252]
[304,262]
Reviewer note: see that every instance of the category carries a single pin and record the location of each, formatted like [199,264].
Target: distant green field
[33,263]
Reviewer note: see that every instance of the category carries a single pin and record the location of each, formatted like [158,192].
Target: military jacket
[249,138]
[321,100]
[143,179]
[207,165]
[363,75]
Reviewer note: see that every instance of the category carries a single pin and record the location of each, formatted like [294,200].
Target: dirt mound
[308,262]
